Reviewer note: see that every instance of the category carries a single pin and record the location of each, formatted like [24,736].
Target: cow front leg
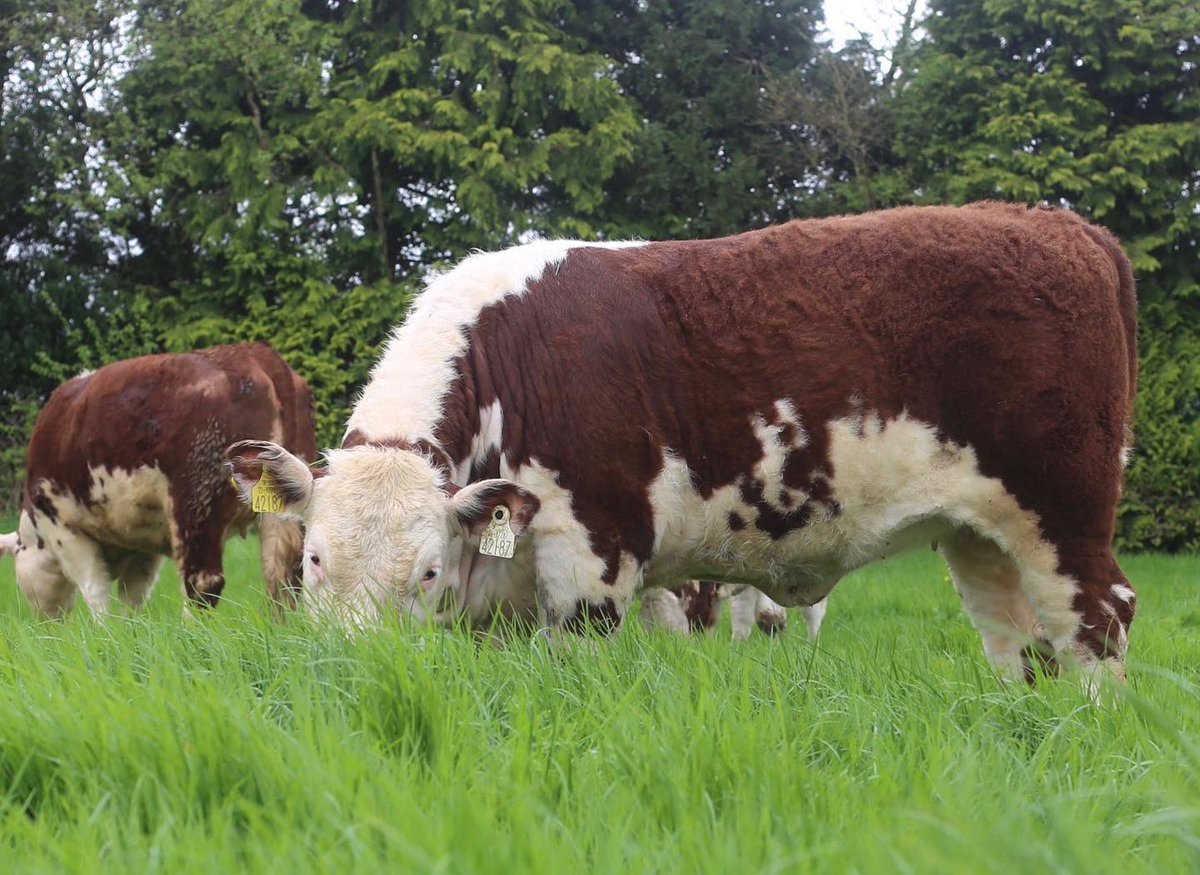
[814,616]
[573,588]
[198,557]
[989,583]
[662,609]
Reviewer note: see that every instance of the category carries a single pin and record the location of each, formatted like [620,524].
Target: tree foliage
[202,171]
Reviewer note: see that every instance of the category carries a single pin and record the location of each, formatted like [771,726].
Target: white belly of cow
[129,509]
[895,484]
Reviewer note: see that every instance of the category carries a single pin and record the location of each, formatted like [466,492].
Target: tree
[706,158]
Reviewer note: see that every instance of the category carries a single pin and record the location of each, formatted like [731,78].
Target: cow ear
[474,505]
[287,487]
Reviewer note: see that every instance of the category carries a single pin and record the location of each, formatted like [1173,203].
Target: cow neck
[449,444]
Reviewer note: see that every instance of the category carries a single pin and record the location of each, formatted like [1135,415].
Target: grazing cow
[126,465]
[696,607]
[774,409]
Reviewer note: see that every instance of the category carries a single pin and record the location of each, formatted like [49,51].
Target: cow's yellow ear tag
[265,496]
[498,538]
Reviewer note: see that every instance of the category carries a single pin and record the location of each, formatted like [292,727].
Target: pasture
[227,743]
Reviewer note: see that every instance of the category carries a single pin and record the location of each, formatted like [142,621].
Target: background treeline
[181,174]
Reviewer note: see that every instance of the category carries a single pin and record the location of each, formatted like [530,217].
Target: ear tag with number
[498,538]
[265,496]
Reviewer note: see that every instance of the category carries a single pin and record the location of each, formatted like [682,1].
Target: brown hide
[1011,330]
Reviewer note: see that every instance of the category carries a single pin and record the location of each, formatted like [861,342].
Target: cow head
[384,529]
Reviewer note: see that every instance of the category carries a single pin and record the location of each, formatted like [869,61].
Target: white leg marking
[743,609]
[661,609]
[989,583]
[814,616]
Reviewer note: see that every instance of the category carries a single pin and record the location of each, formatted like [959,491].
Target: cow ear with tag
[269,478]
[497,511]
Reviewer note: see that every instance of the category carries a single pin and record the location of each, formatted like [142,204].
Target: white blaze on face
[378,531]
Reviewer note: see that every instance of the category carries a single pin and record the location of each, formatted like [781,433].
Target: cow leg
[137,574]
[49,592]
[82,561]
[662,609]
[282,552]
[743,608]
[199,561]
[814,616]
[770,616]
[1104,603]
[990,585]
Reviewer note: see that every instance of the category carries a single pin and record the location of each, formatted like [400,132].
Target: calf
[773,409]
[125,465]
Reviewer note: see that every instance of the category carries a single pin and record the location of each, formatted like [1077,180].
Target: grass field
[228,743]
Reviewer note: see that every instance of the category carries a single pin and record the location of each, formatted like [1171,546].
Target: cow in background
[696,607]
[126,466]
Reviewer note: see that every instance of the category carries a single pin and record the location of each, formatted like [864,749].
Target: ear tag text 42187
[498,538]
[265,496]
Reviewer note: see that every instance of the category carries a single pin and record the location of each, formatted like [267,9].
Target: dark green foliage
[175,175]
[708,159]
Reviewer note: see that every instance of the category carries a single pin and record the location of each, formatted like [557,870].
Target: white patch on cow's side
[408,386]
[1126,456]
[131,509]
[775,453]
[1123,592]
[896,484]
[488,439]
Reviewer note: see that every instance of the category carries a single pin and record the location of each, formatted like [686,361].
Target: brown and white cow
[775,409]
[126,465]
[696,607]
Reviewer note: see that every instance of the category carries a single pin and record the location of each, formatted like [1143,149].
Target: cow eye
[315,559]
[430,575]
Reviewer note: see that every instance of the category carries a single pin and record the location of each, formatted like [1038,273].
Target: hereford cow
[774,409]
[696,607]
[126,465]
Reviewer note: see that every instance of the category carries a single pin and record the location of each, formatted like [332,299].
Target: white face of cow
[384,532]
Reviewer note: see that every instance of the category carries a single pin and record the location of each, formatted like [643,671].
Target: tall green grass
[229,743]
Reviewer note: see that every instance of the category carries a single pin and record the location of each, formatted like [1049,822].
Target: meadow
[231,743]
